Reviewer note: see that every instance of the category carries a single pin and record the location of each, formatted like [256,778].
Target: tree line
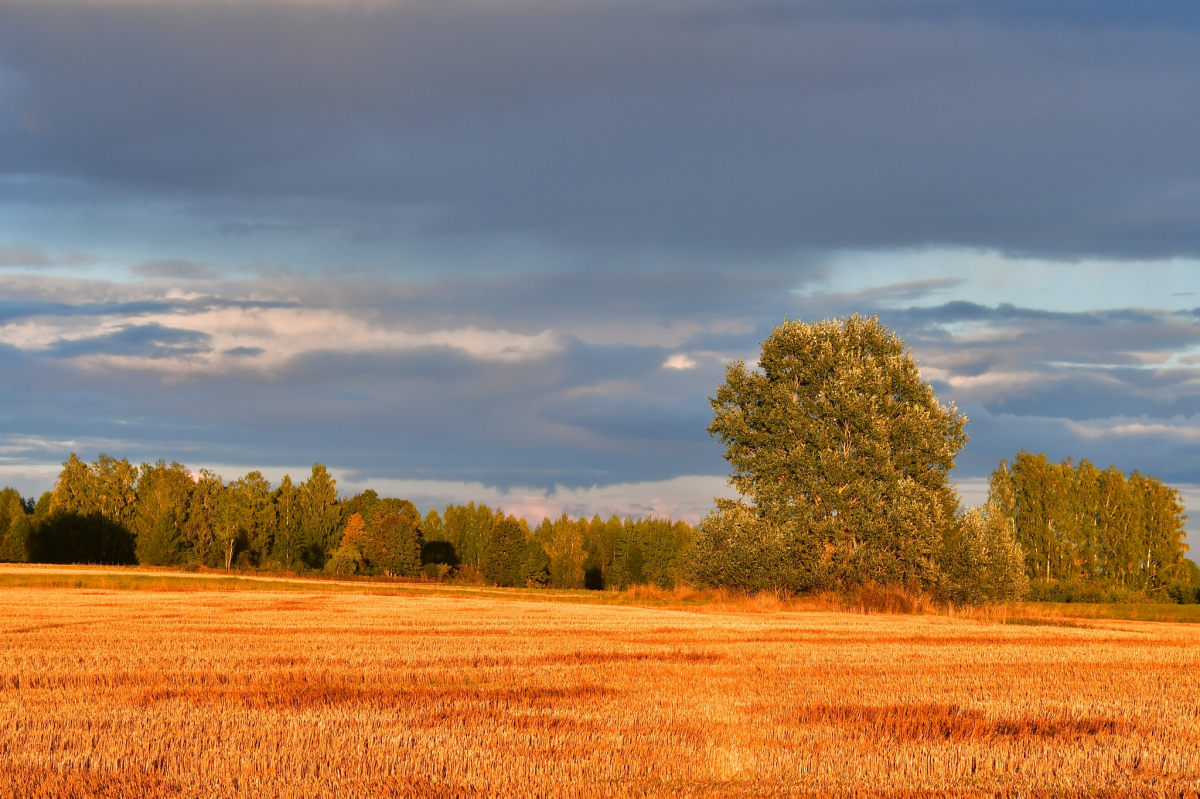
[1097,530]
[160,514]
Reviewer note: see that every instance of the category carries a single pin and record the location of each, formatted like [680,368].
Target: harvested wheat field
[263,694]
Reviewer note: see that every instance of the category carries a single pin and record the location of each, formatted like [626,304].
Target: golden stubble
[222,694]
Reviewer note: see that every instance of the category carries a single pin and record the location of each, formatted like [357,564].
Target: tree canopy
[841,453]
[112,512]
[1077,523]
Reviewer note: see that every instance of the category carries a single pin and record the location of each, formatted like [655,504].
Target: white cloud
[679,361]
[972,491]
[1121,428]
[266,337]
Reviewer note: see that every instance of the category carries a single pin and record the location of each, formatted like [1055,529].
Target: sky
[501,250]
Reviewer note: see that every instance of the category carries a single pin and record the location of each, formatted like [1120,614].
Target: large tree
[562,539]
[469,528]
[245,522]
[842,453]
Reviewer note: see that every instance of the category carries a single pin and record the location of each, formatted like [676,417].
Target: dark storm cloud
[1061,128]
[20,308]
[147,341]
[1008,335]
[962,311]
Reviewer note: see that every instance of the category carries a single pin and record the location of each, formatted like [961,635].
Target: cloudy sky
[501,249]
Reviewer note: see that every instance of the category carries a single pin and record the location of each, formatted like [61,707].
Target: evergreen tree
[534,568]
[505,552]
[320,516]
[843,452]
[287,547]
[396,539]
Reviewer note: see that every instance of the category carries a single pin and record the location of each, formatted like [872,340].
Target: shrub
[983,561]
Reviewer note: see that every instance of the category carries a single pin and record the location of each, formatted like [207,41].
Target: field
[338,691]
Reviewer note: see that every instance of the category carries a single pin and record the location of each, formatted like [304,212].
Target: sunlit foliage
[1078,524]
[842,453]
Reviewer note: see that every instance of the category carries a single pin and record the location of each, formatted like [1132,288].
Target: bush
[1184,593]
[736,549]
[983,561]
[1076,590]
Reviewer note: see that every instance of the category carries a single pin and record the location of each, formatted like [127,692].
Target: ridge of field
[344,692]
[144,578]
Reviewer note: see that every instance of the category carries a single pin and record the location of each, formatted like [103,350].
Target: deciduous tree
[837,444]
[203,518]
[160,513]
[14,527]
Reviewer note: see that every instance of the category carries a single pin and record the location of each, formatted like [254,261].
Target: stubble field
[120,693]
